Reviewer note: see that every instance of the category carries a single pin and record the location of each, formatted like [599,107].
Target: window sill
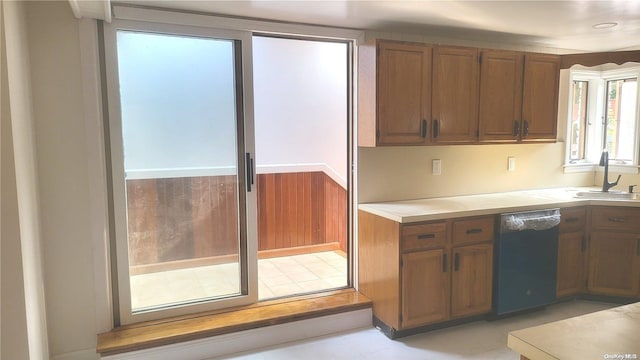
[171,331]
[579,168]
[585,167]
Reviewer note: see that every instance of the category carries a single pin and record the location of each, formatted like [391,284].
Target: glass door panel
[179,164]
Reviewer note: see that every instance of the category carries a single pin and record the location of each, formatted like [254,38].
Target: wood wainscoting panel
[300,209]
[175,220]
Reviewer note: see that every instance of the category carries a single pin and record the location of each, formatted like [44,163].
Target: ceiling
[564,25]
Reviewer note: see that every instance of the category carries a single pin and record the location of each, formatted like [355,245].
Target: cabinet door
[614,263]
[571,263]
[500,109]
[540,97]
[471,280]
[455,95]
[425,288]
[404,93]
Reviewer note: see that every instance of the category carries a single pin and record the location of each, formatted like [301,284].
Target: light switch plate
[436,167]
[511,163]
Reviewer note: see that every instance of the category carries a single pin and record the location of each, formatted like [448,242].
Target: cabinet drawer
[573,220]
[422,236]
[473,230]
[615,218]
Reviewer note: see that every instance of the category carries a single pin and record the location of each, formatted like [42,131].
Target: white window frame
[597,81]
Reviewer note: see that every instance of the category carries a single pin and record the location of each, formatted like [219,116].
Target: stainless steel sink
[609,195]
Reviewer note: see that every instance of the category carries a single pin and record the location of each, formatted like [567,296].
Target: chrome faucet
[604,161]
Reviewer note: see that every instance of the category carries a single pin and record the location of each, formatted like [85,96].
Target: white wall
[63,176]
[22,190]
[395,173]
[13,321]
[300,102]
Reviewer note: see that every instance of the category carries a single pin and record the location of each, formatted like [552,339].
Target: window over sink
[603,114]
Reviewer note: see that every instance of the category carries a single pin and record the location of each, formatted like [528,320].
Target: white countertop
[409,211]
[607,334]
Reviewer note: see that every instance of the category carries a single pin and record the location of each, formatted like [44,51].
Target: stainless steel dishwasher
[526,258]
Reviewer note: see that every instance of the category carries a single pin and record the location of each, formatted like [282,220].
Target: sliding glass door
[180,126]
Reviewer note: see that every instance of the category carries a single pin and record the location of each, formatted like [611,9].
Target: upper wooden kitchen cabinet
[454,95]
[541,82]
[518,96]
[500,110]
[394,101]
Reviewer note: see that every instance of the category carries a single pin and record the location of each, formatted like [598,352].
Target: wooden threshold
[170,331]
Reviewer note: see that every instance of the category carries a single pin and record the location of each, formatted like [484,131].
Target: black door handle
[249,165]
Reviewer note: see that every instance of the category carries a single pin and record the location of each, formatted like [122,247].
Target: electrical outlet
[436,167]
[511,163]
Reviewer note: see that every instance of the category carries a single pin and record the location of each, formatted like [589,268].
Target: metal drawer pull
[474,231]
[426,236]
[444,262]
[571,220]
[638,247]
[616,219]
[583,245]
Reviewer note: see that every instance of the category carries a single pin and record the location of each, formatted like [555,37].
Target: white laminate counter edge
[410,211]
[525,349]
[605,334]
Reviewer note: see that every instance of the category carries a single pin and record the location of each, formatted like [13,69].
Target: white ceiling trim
[93,9]
[173,17]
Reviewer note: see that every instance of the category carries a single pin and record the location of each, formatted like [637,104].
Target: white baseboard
[88,354]
[209,348]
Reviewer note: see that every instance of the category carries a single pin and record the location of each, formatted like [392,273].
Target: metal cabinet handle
[426,236]
[617,219]
[526,128]
[423,130]
[516,128]
[456,262]
[474,231]
[638,247]
[436,128]
[444,262]
[571,220]
[583,245]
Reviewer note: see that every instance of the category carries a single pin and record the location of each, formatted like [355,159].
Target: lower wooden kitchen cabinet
[471,280]
[444,269]
[572,252]
[614,252]
[425,288]
[614,264]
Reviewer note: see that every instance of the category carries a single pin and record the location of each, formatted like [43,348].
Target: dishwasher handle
[530,220]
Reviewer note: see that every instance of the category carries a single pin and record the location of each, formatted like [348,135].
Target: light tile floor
[477,340]
[277,277]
